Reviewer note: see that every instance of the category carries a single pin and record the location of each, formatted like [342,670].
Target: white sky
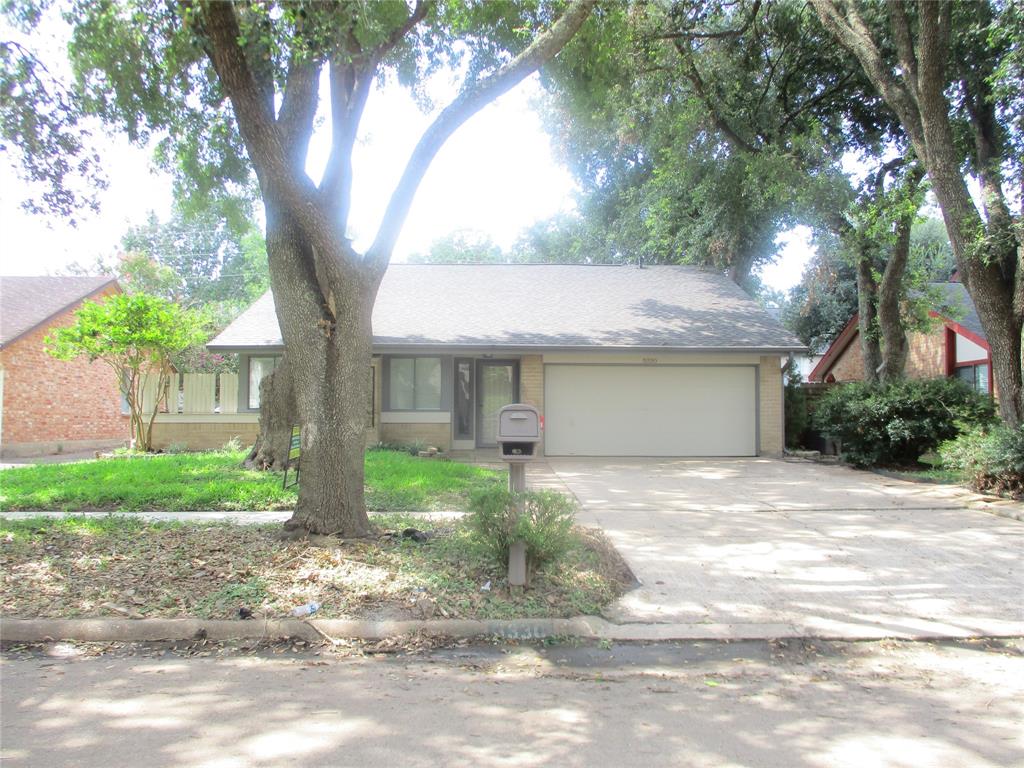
[497,175]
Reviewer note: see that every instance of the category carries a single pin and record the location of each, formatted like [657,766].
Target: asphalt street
[791,703]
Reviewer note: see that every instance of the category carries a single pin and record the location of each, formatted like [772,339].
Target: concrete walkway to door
[768,548]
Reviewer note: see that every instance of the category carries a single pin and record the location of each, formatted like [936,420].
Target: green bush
[412,448]
[993,459]
[797,418]
[894,424]
[542,519]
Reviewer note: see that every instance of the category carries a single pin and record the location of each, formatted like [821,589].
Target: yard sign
[294,455]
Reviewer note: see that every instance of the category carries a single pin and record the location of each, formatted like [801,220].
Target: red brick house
[954,346]
[49,405]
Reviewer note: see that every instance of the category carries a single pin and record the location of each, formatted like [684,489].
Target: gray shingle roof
[956,304]
[548,306]
[28,302]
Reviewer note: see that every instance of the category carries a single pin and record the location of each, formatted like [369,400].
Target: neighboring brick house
[954,346]
[620,361]
[49,405]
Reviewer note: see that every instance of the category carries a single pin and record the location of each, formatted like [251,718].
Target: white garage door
[632,410]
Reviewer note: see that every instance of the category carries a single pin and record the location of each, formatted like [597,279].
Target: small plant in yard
[136,335]
[992,459]
[541,519]
[894,424]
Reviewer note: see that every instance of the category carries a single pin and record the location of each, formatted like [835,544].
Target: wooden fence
[199,393]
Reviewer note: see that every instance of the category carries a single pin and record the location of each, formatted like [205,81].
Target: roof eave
[420,347]
[84,297]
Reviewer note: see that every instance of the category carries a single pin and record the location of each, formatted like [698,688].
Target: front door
[497,386]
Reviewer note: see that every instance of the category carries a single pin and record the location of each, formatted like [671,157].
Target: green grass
[933,475]
[216,481]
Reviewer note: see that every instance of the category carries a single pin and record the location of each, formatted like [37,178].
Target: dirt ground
[775,703]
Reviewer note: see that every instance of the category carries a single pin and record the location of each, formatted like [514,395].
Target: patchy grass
[124,566]
[216,481]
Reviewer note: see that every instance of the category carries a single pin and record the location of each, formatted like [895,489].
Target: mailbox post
[518,438]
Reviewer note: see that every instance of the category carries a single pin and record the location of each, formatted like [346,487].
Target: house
[620,360]
[955,346]
[49,405]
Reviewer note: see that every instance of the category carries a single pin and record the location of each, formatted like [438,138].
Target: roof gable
[548,306]
[29,302]
[955,300]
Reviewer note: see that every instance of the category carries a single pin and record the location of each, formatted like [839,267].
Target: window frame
[443,401]
[248,379]
[975,365]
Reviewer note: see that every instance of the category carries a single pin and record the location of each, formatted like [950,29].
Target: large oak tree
[916,55]
[229,89]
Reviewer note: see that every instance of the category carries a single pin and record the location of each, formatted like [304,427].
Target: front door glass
[497,389]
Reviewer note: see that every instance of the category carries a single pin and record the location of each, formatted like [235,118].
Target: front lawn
[395,481]
[124,566]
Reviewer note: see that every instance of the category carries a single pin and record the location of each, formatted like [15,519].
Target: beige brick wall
[927,354]
[925,357]
[850,365]
[204,436]
[437,435]
[770,391]
[531,386]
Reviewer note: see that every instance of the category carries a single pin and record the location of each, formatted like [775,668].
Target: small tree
[136,335]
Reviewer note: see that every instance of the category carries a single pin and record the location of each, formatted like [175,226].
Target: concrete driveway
[768,548]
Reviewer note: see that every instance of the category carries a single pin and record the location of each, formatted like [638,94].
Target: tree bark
[328,345]
[890,318]
[277,417]
[867,320]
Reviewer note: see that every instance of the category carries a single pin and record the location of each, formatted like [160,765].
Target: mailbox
[518,432]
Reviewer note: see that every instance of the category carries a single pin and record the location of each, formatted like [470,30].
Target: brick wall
[926,355]
[437,435]
[770,391]
[531,386]
[850,365]
[205,436]
[52,405]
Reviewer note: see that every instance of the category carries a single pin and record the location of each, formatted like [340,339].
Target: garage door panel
[628,410]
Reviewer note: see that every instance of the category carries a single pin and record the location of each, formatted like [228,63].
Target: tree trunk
[329,344]
[277,417]
[890,319]
[867,297]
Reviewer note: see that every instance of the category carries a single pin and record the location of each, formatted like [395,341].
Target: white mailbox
[518,432]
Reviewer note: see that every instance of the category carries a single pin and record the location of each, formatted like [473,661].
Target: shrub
[412,448]
[542,519]
[797,418]
[993,459]
[893,424]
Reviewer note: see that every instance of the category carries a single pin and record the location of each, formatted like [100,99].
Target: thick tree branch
[692,34]
[694,76]
[298,107]
[900,23]
[471,100]
[853,34]
[419,12]
[350,88]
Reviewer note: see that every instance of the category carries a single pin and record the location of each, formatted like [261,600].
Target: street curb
[579,627]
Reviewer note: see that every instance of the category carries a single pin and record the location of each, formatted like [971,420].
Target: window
[414,384]
[976,376]
[259,367]
[463,406]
